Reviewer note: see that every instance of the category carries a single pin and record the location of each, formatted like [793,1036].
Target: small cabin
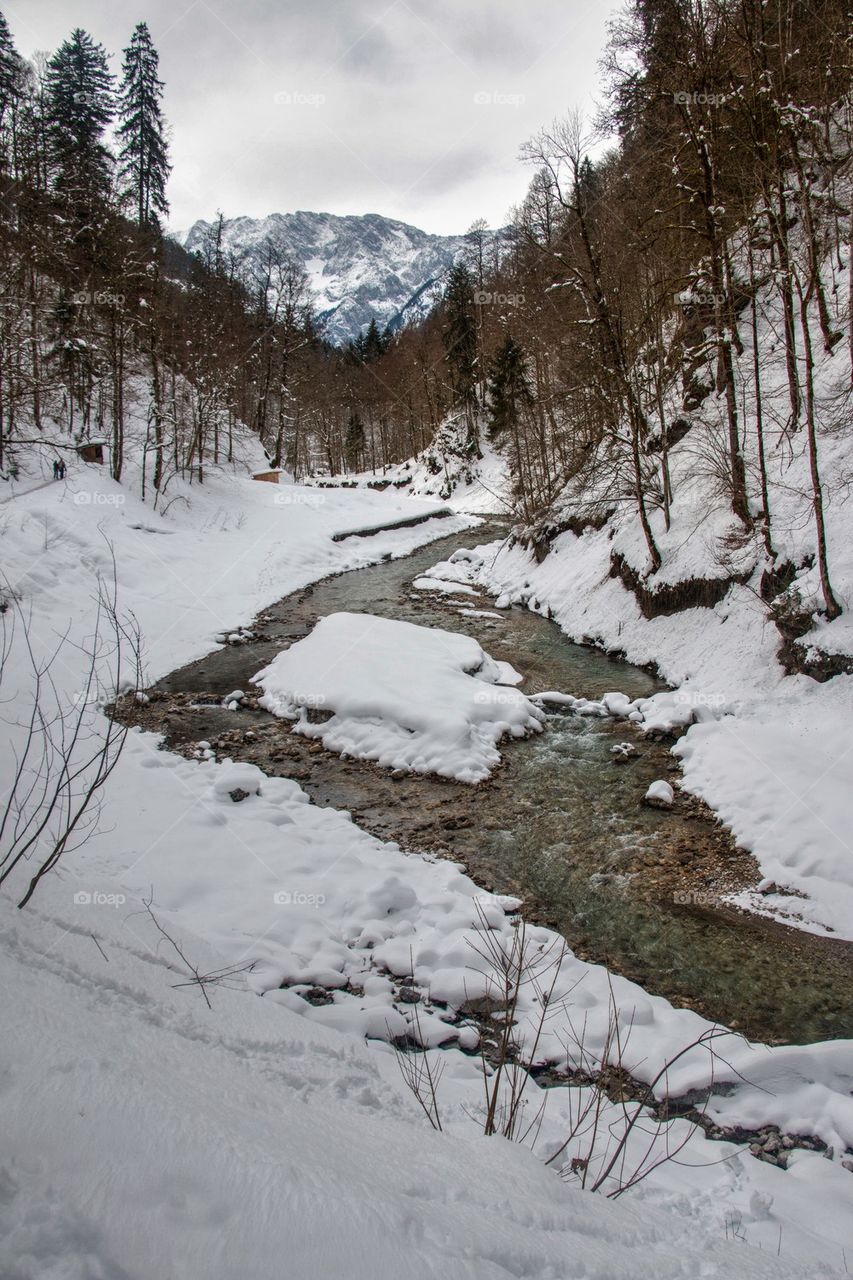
[269,477]
[91,451]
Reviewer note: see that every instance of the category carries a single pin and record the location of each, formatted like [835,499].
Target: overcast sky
[414,109]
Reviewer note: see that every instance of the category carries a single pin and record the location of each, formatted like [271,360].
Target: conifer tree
[460,344]
[143,156]
[373,346]
[11,72]
[80,106]
[509,388]
[354,442]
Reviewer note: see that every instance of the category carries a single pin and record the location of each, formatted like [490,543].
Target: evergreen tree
[369,345]
[373,345]
[509,389]
[11,72]
[460,344]
[12,92]
[80,106]
[143,156]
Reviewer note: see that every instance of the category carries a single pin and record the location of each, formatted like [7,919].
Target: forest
[624,293]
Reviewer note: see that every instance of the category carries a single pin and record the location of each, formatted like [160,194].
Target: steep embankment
[475,485]
[762,674]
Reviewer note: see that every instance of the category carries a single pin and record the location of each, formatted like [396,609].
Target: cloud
[412,108]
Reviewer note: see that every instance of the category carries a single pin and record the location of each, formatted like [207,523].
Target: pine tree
[354,442]
[369,345]
[12,91]
[11,72]
[509,389]
[80,106]
[460,344]
[509,394]
[373,345]
[143,157]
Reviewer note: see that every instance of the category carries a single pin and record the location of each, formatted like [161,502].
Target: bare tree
[65,747]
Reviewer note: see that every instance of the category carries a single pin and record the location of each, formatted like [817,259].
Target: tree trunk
[833,608]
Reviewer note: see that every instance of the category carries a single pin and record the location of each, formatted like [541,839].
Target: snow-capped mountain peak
[359,267]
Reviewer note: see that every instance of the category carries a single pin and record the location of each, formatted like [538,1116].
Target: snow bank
[408,697]
[147,1135]
[769,753]
[480,485]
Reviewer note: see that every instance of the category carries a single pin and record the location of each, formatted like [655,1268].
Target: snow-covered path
[23,493]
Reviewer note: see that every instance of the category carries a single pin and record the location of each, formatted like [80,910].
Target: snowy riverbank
[128,1101]
[768,752]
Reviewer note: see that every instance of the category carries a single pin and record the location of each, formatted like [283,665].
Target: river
[560,824]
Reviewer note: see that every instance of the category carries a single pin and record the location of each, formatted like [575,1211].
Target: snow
[478,486]
[147,1134]
[660,792]
[408,697]
[359,267]
[443,588]
[769,753]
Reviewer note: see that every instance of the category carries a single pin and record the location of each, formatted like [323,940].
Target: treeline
[630,291]
[627,294]
[106,323]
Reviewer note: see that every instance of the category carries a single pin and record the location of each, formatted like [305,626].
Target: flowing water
[560,823]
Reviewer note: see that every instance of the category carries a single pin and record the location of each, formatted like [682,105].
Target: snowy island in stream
[408,697]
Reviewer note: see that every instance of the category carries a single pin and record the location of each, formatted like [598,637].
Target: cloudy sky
[413,108]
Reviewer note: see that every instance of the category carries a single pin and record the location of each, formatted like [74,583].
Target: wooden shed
[270,477]
[91,450]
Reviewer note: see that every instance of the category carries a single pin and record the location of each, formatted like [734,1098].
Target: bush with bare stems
[617,1130]
[64,747]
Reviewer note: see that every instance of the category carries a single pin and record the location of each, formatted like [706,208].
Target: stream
[560,823]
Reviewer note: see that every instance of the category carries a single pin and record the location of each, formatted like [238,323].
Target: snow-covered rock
[408,697]
[660,795]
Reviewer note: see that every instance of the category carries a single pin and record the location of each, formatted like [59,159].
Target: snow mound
[408,697]
[660,795]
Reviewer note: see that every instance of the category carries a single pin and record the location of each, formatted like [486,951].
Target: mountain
[359,266]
